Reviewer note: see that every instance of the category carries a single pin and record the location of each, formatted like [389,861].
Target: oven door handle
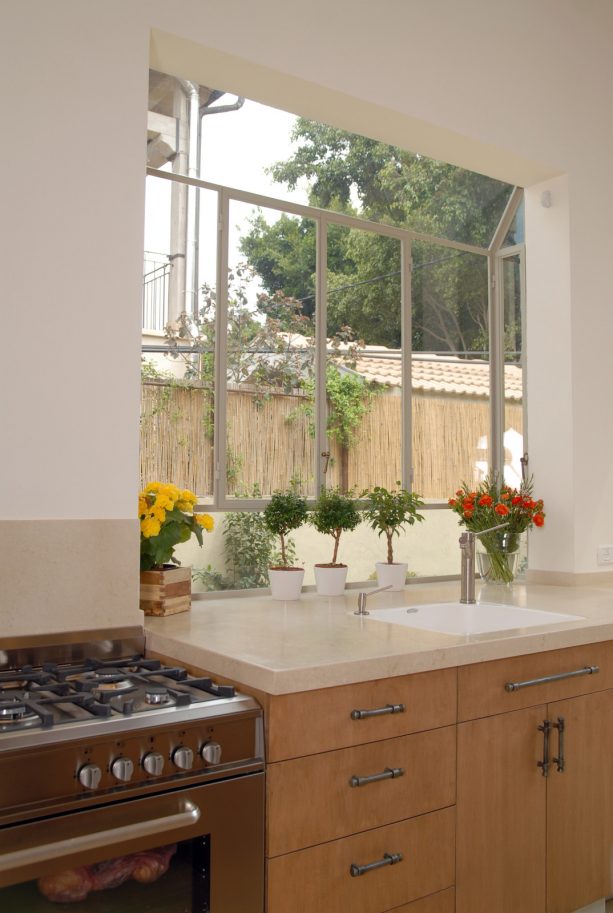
[86,832]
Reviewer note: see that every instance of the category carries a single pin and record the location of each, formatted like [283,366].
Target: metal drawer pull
[544,764]
[380,711]
[388,859]
[515,686]
[559,761]
[390,773]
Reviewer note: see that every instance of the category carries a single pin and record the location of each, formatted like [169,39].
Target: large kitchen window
[338,345]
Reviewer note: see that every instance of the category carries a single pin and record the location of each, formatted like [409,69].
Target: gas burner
[103,682]
[15,710]
[156,694]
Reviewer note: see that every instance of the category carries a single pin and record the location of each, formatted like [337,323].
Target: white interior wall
[513,91]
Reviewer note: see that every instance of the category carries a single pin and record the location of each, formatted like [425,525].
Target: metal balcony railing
[156,278]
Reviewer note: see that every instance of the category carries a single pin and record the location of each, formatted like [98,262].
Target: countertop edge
[352,671]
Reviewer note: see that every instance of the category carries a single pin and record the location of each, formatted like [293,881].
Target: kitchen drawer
[441,902]
[319,878]
[314,721]
[481,688]
[311,800]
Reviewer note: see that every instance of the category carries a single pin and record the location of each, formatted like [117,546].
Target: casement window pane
[270,359]
[450,369]
[177,380]
[513,369]
[516,233]
[364,365]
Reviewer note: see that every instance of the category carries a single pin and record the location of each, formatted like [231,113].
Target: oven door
[194,850]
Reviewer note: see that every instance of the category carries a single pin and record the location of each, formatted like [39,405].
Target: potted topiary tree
[334,512]
[388,512]
[285,511]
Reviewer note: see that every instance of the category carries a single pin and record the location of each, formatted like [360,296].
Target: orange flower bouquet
[491,504]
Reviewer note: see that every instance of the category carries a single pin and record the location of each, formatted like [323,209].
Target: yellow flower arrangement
[167,518]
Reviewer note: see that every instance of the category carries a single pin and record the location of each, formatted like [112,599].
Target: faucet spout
[467,564]
[361,609]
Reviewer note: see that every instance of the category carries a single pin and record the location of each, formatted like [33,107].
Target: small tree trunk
[390,551]
[337,539]
[283,558]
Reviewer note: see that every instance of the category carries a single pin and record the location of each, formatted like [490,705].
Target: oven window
[174,878]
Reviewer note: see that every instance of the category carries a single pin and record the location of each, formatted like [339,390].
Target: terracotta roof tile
[437,373]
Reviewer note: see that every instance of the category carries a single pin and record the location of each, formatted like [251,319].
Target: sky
[237,147]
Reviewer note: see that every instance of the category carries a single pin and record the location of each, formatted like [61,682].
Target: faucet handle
[378,590]
[361,609]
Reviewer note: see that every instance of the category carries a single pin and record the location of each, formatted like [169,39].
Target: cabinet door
[501,814]
[580,804]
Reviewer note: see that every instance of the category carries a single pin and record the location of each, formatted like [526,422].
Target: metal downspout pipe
[192,91]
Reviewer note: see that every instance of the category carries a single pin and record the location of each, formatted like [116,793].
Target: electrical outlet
[604,554]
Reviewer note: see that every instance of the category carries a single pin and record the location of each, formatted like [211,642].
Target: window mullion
[221,353]
[496,340]
[322,445]
[406,349]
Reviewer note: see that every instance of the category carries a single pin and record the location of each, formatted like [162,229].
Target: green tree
[335,511]
[397,187]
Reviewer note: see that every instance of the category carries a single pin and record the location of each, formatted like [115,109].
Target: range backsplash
[68,575]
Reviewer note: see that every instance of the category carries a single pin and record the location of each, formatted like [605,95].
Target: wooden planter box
[166,592]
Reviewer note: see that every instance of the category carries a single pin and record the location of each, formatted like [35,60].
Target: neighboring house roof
[436,373]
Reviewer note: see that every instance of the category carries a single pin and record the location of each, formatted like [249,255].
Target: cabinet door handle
[378,711]
[388,859]
[390,773]
[560,760]
[544,764]
[587,670]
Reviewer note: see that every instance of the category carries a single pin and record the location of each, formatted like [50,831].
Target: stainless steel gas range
[126,784]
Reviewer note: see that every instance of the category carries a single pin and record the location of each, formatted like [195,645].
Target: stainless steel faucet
[467,567]
[361,609]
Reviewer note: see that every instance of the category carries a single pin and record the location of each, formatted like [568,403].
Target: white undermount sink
[478,618]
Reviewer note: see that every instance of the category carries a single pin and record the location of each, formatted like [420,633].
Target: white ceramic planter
[330,580]
[286,583]
[392,575]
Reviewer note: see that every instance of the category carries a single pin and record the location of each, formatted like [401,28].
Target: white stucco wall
[521,93]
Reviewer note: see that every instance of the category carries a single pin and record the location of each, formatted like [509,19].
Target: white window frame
[323,218]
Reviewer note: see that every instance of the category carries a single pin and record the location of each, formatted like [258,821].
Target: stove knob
[153,763]
[183,758]
[122,769]
[89,776]
[211,753]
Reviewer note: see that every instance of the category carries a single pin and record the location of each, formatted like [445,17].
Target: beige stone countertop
[317,642]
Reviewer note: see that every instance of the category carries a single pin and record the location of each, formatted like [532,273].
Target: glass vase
[497,565]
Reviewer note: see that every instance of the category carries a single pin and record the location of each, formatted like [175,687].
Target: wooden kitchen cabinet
[319,825]
[525,841]
[502,838]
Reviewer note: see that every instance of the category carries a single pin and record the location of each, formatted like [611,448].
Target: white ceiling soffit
[180,57]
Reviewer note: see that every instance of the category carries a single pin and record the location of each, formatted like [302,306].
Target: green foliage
[335,512]
[392,184]
[178,527]
[249,550]
[449,287]
[286,511]
[390,511]
[349,400]
[148,371]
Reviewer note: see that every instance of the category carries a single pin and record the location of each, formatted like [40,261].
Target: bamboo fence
[269,442]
